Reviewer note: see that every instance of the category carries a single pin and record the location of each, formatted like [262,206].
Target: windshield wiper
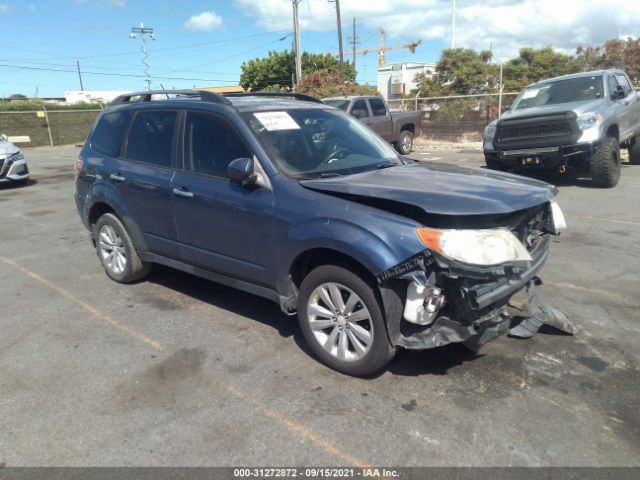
[380,166]
[329,175]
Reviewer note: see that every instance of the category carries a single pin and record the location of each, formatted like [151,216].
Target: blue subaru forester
[287,198]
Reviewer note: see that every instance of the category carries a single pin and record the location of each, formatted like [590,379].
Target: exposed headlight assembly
[475,247]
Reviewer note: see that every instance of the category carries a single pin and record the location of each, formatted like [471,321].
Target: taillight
[78,167]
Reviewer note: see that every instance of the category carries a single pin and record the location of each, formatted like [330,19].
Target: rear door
[222,226]
[143,175]
[381,119]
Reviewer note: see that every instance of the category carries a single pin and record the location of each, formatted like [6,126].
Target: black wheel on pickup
[492,163]
[605,164]
[342,321]
[634,152]
[117,252]
[405,142]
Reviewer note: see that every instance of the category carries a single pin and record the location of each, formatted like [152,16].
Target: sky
[204,43]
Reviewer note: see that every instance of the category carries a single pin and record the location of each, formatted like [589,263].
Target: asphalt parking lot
[180,371]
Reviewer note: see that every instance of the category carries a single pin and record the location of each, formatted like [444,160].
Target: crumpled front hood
[441,189]
[7,148]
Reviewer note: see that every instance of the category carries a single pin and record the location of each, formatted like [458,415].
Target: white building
[92,96]
[398,79]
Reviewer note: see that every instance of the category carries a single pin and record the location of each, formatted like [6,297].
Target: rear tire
[634,152]
[342,321]
[117,252]
[493,164]
[605,164]
[405,142]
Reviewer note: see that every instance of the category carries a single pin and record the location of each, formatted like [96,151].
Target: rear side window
[151,137]
[108,134]
[211,143]
[377,107]
[359,109]
[622,80]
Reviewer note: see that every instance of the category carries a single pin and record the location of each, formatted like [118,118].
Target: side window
[109,133]
[151,137]
[210,144]
[377,107]
[359,109]
[613,85]
[622,80]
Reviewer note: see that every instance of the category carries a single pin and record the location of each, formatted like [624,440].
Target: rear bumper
[544,158]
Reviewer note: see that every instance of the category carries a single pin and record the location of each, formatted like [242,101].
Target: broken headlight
[475,247]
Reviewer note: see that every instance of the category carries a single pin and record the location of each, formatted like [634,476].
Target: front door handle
[117,177]
[182,193]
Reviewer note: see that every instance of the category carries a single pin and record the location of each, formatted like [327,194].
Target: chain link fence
[456,117]
[49,127]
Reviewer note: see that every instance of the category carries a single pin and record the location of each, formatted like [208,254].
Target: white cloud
[116,3]
[504,24]
[203,22]
[4,8]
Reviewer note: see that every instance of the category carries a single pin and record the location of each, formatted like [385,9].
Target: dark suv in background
[296,201]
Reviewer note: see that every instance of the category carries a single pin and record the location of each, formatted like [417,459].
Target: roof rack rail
[146,95]
[296,96]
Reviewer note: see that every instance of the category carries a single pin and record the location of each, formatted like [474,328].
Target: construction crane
[381,48]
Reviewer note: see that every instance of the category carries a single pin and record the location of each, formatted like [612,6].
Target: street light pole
[453,24]
[296,42]
[143,32]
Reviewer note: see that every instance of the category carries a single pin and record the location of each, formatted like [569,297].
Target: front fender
[374,251]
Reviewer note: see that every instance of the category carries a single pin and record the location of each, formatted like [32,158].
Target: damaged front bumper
[432,301]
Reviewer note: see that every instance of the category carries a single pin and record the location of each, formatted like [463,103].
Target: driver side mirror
[240,171]
[620,92]
[359,113]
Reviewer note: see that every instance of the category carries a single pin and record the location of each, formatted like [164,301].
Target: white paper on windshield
[277,121]
[530,94]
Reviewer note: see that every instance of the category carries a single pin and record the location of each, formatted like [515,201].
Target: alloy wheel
[340,321]
[112,251]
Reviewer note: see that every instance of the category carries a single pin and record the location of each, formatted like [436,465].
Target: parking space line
[89,308]
[624,222]
[268,412]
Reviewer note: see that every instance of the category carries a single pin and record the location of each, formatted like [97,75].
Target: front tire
[116,251]
[634,152]
[405,142]
[605,164]
[342,321]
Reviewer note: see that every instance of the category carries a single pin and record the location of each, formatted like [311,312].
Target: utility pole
[143,32]
[296,42]
[337,2]
[453,23]
[79,76]
[500,87]
[354,41]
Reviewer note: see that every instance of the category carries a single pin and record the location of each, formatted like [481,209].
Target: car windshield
[561,91]
[312,143]
[340,103]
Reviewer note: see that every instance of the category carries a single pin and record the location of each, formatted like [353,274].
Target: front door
[222,226]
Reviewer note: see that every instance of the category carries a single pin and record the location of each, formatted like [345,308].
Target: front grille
[526,132]
[537,132]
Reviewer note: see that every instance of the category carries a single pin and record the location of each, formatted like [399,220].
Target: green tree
[277,68]
[613,53]
[460,72]
[532,65]
[324,83]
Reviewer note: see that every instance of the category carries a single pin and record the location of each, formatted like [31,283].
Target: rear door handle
[117,177]
[182,193]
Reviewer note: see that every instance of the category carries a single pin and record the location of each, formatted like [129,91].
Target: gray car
[569,124]
[13,166]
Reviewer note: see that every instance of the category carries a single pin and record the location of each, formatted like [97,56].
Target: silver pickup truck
[398,128]
[569,124]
